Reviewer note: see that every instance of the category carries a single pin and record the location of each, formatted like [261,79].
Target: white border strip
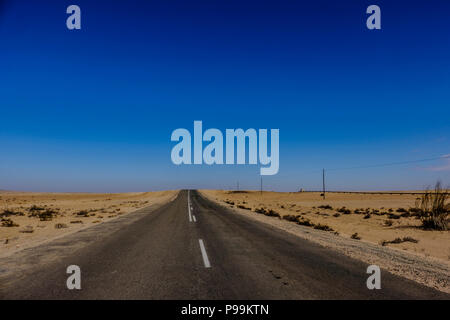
[189,207]
[204,255]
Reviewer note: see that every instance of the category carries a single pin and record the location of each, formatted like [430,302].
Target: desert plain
[28,219]
[382,229]
[383,219]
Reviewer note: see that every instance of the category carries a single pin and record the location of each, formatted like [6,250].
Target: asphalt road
[208,252]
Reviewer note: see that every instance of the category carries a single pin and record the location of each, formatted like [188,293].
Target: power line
[447,156]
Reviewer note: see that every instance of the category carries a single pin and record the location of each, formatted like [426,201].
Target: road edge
[428,272]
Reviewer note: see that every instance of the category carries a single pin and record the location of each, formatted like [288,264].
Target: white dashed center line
[204,255]
[189,207]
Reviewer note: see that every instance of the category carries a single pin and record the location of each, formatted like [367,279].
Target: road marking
[193,217]
[189,207]
[204,255]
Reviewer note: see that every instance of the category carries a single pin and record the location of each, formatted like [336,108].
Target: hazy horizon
[94,109]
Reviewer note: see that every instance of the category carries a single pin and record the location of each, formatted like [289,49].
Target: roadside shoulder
[427,271]
[23,261]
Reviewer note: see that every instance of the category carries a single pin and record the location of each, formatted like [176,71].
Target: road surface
[192,248]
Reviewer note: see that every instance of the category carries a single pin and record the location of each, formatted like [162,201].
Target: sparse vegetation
[393,216]
[399,240]
[388,223]
[326,206]
[82,213]
[323,227]
[60,226]
[355,236]
[8,213]
[47,215]
[344,210]
[272,213]
[35,208]
[269,213]
[433,208]
[42,213]
[6,222]
[290,217]
[305,222]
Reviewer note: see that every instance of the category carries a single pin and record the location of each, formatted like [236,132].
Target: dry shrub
[399,240]
[290,217]
[356,236]
[323,227]
[7,213]
[433,208]
[8,223]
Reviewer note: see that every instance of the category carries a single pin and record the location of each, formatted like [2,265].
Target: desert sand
[386,224]
[35,218]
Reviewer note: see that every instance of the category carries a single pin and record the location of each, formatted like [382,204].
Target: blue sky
[93,110]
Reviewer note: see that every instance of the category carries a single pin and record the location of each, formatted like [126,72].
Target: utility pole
[323,183]
[261,185]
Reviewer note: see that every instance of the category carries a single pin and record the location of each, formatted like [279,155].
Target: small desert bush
[414,212]
[42,213]
[8,223]
[433,208]
[269,213]
[388,223]
[344,210]
[305,222]
[47,215]
[290,217]
[260,210]
[82,213]
[35,208]
[243,207]
[399,240]
[323,227]
[7,213]
[356,236]
[272,213]
[326,206]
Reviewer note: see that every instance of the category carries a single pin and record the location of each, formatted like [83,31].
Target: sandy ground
[373,229]
[69,212]
[427,261]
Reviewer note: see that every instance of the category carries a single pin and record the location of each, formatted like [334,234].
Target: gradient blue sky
[93,110]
